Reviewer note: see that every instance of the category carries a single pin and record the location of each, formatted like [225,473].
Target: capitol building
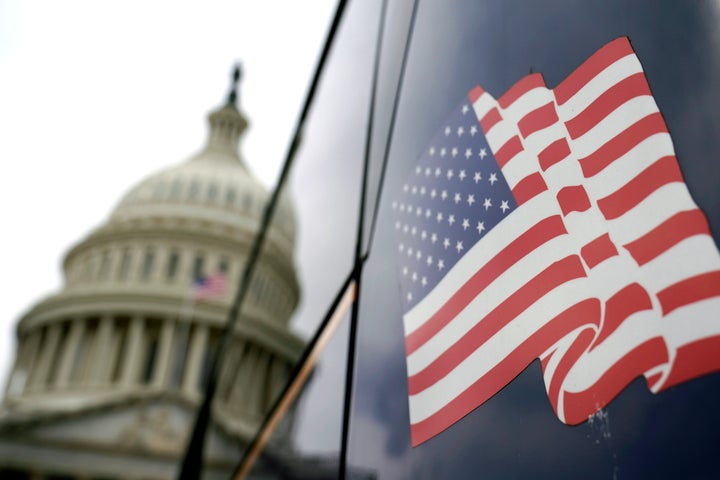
[110,370]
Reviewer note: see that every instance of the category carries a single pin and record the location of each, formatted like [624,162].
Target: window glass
[313,421]
[309,251]
[516,433]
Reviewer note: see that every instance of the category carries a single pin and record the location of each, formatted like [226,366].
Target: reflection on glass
[305,443]
[130,356]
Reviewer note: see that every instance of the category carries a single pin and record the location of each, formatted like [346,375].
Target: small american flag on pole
[554,224]
[206,287]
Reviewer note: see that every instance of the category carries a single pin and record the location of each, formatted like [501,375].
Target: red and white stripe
[214,286]
[606,271]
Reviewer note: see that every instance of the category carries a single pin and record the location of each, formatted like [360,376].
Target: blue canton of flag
[456,194]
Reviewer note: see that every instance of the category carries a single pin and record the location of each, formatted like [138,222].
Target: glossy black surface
[455,46]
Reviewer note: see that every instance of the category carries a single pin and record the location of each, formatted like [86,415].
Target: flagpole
[191,466]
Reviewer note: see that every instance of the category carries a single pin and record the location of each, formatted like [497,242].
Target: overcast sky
[96,96]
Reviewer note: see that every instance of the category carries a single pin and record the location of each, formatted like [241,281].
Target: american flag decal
[554,224]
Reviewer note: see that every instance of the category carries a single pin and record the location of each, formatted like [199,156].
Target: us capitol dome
[109,371]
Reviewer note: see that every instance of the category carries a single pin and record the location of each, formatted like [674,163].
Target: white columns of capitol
[194,363]
[70,348]
[162,369]
[39,375]
[101,358]
[131,358]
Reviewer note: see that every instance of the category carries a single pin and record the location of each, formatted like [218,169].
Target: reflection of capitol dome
[109,370]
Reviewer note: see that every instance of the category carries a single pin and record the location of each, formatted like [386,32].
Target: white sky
[95,96]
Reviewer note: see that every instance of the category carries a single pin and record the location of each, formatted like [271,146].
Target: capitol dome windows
[147,266]
[159,190]
[230,197]
[193,190]
[198,266]
[176,189]
[208,191]
[224,265]
[88,269]
[172,265]
[162,268]
[125,262]
[212,192]
[104,269]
